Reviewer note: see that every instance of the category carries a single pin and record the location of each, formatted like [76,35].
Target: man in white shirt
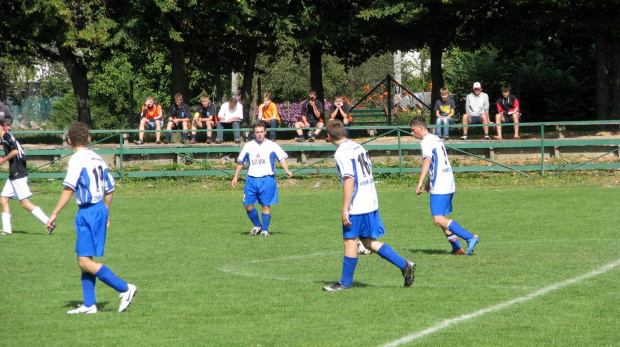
[440,184]
[476,110]
[230,114]
[260,183]
[360,214]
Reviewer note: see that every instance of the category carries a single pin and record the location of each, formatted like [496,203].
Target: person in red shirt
[507,110]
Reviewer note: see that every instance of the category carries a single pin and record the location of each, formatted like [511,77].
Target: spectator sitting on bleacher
[507,109]
[230,114]
[204,117]
[179,118]
[152,118]
[444,111]
[268,113]
[340,110]
[311,116]
[476,110]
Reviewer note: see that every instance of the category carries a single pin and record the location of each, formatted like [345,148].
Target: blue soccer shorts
[90,227]
[364,225]
[263,190]
[441,204]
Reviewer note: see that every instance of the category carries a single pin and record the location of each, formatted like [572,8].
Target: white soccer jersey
[352,161]
[440,172]
[88,176]
[261,157]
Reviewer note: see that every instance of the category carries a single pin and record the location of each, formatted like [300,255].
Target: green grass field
[202,281]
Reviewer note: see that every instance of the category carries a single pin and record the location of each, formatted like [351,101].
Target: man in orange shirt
[268,113]
[152,118]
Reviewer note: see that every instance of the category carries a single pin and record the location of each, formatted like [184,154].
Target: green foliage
[64,114]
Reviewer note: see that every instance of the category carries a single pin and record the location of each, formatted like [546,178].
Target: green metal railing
[118,148]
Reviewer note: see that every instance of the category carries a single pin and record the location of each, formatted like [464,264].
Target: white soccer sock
[6,222]
[38,212]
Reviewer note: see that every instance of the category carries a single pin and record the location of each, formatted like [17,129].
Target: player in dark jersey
[16,187]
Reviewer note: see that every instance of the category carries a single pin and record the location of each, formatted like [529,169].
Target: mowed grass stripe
[174,246]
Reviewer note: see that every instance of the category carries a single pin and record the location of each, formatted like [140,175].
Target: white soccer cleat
[255,231]
[84,309]
[126,297]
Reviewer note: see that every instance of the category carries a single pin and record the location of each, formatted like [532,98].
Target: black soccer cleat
[409,273]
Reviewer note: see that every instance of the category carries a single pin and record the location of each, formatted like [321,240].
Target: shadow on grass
[101,306]
[429,251]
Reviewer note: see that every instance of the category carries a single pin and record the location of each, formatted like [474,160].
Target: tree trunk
[436,50]
[79,81]
[248,79]
[602,77]
[615,84]
[219,91]
[178,78]
[316,71]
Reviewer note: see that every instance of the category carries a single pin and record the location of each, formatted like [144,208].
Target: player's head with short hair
[506,88]
[204,97]
[259,124]
[444,91]
[78,134]
[267,96]
[418,121]
[418,127]
[232,103]
[335,129]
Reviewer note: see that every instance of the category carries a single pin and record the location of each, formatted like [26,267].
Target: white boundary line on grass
[448,322]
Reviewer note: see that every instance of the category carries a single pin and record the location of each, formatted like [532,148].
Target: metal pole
[132,107]
[542,150]
[400,156]
[120,155]
[388,81]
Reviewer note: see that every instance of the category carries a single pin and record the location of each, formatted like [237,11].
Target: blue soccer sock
[454,241]
[184,136]
[348,269]
[253,215]
[386,252]
[168,136]
[88,289]
[346,130]
[108,277]
[266,221]
[459,231]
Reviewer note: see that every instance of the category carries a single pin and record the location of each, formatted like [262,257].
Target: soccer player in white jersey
[16,187]
[360,215]
[260,184]
[440,184]
[88,177]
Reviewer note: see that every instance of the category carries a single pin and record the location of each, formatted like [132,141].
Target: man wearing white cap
[476,110]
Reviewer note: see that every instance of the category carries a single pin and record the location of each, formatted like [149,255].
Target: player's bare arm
[8,157]
[347,196]
[425,167]
[65,196]
[236,176]
[284,165]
